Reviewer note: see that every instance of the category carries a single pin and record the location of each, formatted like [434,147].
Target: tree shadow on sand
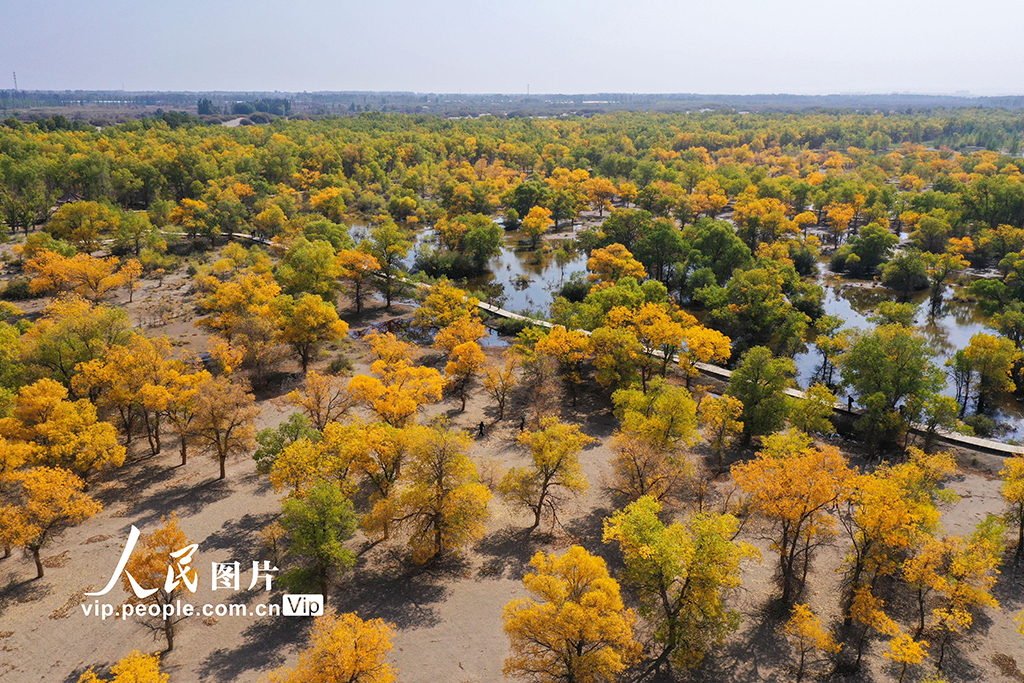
[1009,588]
[239,536]
[588,530]
[184,500]
[757,654]
[399,593]
[265,642]
[27,590]
[508,552]
[957,666]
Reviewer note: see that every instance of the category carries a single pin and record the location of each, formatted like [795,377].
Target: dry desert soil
[447,616]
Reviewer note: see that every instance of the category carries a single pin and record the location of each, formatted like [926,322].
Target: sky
[801,47]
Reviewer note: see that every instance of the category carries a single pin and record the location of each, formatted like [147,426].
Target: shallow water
[525,280]
[519,279]
[949,330]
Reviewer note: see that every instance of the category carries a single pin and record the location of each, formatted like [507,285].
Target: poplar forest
[289,342]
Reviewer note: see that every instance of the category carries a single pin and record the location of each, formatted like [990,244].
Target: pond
[520,279]
[526,280]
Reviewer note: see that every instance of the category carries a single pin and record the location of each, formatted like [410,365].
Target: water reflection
[526,280]
[519,279]
[948,331]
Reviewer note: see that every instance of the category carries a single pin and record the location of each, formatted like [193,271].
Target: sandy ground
[447,617]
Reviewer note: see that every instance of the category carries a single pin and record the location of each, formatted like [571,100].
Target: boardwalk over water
[952,438]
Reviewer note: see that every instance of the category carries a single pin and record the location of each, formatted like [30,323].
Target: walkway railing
[972,442]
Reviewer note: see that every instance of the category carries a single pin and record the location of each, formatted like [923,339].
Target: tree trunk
[920,606]
[39,562]
[223,458]
[183,447]
[169,634]
[1020,537]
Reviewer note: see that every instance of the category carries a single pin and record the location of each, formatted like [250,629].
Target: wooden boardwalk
[952,438]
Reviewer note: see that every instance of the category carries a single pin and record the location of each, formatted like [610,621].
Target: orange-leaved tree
[796,490]
[225,417]
[161,567]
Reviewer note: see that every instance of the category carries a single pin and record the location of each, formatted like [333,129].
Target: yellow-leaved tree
[808,635]
[343,648]
[331,458]
[607,265]
[890,512]
[958,575]
[356,268]
[135,668]
[683,573]
[569,348]
[445,304]
[720,416]
[88,276]
[659,330]
[161,566]
[442,504]
[702,345]
[323,398]
[641,467]
[135,379]
[500,380]
[555,449]
[400,387]
[867,610]
[665,415]
[60,433]
[460,331]
[225,418]
[574,627]
[45,501]
[1013,493]
[906,651]
[536,222]
[464,363]
[307,323]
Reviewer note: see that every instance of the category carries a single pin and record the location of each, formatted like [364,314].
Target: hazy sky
[566,46]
